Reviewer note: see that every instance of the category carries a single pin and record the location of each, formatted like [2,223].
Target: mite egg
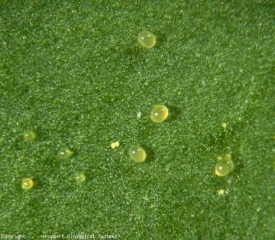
[224,166]
[65,153]
[30,135]
[80,177]
[27,183]
[137,153]
[146,39]
[159,114]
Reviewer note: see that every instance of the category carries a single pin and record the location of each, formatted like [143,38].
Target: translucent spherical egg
[65,153]
[137,153]
[30,135]
[224,166]
[80,177]
[146,39]
[159,114]
[27,183]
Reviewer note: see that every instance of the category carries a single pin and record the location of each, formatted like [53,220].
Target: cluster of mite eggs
[159,114]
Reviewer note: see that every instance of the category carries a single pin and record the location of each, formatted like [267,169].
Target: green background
[74,72]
